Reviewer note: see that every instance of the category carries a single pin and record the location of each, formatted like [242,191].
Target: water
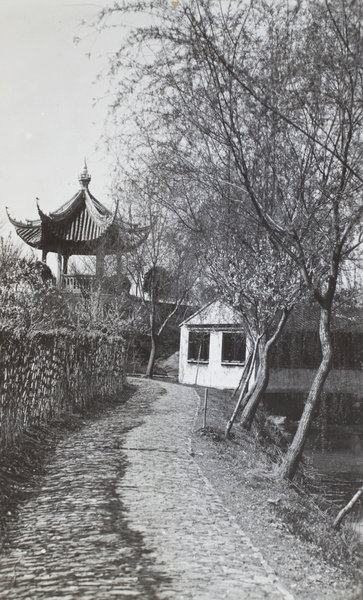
[334,447]
[337,455]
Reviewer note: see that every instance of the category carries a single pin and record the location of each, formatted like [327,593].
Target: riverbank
[294,534]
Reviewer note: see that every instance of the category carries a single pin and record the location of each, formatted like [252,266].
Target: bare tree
[164,269]
[309,82]
[279,92]
[252,274]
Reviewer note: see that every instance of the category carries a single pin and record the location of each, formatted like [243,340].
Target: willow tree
[278,91]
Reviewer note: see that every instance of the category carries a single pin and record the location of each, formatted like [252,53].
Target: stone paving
[123,511]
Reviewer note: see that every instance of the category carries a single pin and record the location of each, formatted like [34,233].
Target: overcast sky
[48,122]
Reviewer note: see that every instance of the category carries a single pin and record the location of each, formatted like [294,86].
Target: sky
[48,118]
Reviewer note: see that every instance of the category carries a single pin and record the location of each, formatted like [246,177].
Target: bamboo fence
[45,375]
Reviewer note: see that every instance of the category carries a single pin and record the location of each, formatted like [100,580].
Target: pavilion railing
[76,283]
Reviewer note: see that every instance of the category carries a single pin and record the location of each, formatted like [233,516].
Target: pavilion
[81,227]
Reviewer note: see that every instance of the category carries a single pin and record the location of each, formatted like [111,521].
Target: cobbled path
[123,511]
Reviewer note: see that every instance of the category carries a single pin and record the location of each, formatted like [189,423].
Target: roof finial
[84,178]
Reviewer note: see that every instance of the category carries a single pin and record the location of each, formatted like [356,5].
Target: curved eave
[131,228]
[30,232]
[65,212]
[80,223]
[103,218]
[80,235]
[136,238]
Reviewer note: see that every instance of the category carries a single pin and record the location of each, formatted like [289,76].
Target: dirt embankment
[293,533]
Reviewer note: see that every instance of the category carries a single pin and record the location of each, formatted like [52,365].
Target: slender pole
[205,408]
[243,376]
[196,375]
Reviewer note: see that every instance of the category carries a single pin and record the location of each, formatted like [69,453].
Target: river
[338,458]
[334,448]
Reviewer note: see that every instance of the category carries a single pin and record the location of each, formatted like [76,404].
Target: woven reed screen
[45,375]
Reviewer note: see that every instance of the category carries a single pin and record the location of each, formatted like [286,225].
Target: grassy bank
[292,527]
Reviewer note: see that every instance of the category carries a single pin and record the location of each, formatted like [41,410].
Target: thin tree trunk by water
[347,508]
[294,453]
[259,389]
[247,372]
[262,377]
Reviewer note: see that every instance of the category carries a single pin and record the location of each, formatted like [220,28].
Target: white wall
[213,374]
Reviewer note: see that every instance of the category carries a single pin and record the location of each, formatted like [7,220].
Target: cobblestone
[123,511]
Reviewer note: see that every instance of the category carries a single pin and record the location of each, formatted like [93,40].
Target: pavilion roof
[80,226]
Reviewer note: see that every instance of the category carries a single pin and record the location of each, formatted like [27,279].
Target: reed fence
[45,375]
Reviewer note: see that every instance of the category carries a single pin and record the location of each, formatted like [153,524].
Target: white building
[213,347]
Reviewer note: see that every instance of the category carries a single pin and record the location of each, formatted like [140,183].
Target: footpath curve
[195,540]
[123,511]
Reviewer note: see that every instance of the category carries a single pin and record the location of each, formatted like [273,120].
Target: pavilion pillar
[59,270]
[44,255]
[65,265]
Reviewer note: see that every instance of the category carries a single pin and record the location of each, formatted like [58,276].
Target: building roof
[214,314]
[303,317]
[306,317]
[80,226]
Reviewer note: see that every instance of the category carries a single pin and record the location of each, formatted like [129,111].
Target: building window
[233,348]
[198,346]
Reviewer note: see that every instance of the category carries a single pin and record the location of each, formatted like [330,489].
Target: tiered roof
[80,226]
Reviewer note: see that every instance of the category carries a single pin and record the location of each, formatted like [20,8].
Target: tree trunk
[294,453]
[247,372]
[151,363]
[153,335]
[259,388]
[347,508]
